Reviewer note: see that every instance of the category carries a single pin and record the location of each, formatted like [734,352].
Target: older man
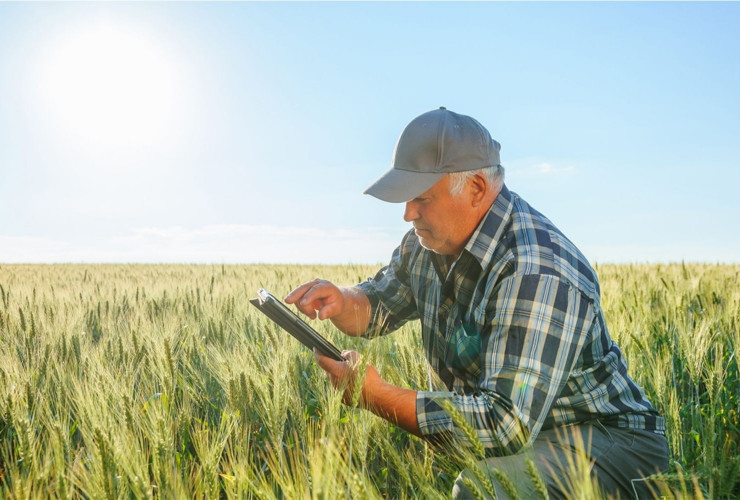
[511,322]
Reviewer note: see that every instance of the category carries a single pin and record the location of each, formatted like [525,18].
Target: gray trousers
[570,460]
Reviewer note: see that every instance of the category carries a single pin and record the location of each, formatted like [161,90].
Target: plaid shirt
[514,329]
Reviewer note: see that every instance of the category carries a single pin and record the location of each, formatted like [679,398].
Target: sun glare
[111,86]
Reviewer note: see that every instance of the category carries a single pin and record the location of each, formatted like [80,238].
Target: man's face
[442,222]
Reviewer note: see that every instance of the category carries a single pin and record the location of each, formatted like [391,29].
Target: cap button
[442,107]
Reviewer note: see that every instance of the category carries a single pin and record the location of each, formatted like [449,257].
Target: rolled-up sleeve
[536,326]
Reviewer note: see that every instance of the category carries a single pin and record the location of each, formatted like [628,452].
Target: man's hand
[317,295]
[347,307]
[395,404]
[343,375]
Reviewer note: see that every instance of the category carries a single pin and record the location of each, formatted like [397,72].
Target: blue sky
[246,132]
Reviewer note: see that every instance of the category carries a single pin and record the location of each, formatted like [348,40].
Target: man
[511,322]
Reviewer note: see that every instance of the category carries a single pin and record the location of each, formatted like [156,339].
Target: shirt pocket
[463,351]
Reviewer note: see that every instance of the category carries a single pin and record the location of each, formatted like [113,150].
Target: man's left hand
[344,375]
[362,386]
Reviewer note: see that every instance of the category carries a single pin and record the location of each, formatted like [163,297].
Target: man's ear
[479,188]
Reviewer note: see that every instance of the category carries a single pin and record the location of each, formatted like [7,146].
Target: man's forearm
[355,316]
[395,404]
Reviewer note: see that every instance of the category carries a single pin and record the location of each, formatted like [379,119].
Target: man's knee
[499,477]
[467,486]
[464,491]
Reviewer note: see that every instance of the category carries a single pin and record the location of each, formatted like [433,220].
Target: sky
[247,132]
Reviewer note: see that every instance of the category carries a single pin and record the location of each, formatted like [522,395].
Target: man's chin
[425,243]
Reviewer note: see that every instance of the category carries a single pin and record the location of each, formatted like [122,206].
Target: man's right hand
[317,295]
[348,308]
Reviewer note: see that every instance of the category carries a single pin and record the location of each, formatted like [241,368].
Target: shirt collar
[483,241]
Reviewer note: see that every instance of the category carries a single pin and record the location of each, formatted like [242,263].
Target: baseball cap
[432,145]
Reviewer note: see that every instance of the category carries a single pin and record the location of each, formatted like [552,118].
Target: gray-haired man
[511,322]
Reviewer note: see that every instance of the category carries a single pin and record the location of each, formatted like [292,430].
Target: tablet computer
[289,321]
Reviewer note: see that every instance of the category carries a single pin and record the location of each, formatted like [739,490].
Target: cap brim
[399,186]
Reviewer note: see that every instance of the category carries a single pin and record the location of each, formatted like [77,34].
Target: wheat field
[144,381]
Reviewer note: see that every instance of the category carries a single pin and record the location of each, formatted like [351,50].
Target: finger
[328,364]
[319,358]
[323,297]
[307,311]
[351,357]
[317,291]
[329,310]
[308,297]
[299,291]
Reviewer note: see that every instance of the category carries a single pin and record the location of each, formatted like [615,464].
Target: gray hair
[494,175]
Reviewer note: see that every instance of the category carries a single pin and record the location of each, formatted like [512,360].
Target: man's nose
[411,213]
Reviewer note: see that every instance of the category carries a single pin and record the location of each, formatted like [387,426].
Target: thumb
[324,362]
[351,357]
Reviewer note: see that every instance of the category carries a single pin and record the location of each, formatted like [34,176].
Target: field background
[121,381]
